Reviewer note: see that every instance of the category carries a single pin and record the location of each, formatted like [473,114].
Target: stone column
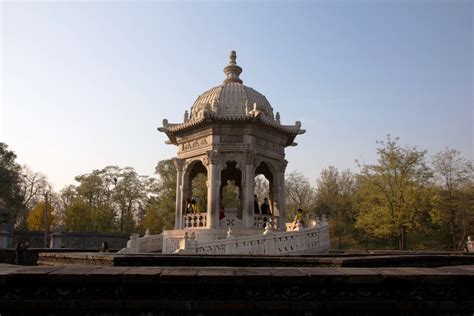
[4,236]
[281,195]
[56,240]
[248,188]
[213,184]
[179,163]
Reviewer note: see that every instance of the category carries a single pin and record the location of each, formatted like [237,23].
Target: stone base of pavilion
[233,240]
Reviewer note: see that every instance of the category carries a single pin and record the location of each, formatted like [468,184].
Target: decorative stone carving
[283,165]
[212,156]
[178,164]
[249,157]
[195,144]
[232,139]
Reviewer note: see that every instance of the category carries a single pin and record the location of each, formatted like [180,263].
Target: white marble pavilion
[232,133]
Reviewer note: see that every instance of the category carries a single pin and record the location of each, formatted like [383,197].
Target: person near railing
[298,219]
[256,208]
[190,207]
[265,208]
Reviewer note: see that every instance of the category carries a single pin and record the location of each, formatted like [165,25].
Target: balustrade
[197,220]
[261,221]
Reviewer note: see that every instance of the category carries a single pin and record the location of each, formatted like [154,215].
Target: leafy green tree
[161,208]
[199,189]
[453,177]
[77,216]
[334,193]
[230,195]
[390,199]
[153,221]
[299,194]
[130,194]
[10,181]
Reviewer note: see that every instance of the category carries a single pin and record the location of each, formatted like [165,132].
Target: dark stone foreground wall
[86,240]
[93,290]
[158,260]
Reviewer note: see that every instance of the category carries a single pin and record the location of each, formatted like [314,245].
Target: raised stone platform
[94,290]
[382,259]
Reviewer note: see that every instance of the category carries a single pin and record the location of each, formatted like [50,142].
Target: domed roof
[232,99]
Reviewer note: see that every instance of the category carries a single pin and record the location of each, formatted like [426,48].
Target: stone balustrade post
[133,243]
[213,184]
[56,240]
[179,164]
[230,245]
[4,238]
[188,245]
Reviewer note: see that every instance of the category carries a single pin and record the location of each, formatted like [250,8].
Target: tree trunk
[402,239]
[453,228]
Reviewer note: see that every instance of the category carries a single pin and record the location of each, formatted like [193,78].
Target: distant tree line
[405,200]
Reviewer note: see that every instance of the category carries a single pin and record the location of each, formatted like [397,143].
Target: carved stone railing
[197,220]
[309,240]
[261,221]
[145,244]
[230,220]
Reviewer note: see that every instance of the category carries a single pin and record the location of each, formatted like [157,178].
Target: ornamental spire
[232,71]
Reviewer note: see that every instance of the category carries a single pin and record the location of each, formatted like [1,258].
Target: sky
[85,84]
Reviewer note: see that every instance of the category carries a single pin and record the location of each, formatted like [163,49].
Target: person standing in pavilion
[256,208]
[265,208]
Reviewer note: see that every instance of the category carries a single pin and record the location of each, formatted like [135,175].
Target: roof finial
[232,71]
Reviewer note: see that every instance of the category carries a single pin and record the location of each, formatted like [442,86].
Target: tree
[199,189]
[453,176]
[262,188]
[391,199]
[33,187]
[334,192]
[130,194]
[153,221]
[230,195]
[77,216]
[10,181]
[165,199]
[108,200]
[299,194]
[36,217]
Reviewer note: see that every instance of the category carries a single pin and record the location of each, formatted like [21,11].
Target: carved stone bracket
[211,157]
[178,164]
[249,157]
[283,165]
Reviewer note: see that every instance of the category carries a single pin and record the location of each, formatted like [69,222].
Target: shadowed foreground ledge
[94,290]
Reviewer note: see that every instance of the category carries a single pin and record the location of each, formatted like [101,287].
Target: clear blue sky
[85,84]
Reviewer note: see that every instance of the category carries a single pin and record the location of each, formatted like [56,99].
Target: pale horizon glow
[84,85]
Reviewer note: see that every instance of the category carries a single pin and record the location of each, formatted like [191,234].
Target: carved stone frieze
[270,146]
[232,139]
[194,144]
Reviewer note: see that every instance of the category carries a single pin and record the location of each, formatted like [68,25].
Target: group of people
[191,206]
[263,209]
